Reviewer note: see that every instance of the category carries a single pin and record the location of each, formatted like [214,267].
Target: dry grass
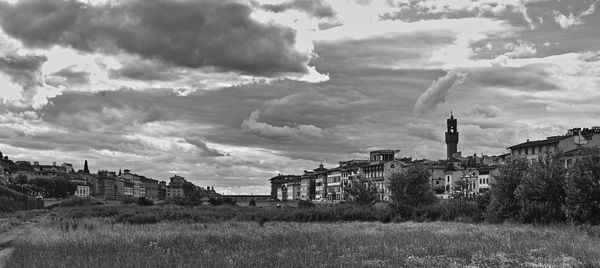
[98,242]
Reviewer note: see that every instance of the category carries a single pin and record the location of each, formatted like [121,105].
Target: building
[108,188]
[307,185]
[569,144]
[83,190]
[320,183]
[293,189]
[278,183]
[485,177]
[177,181]
[127,187]
[136,180]
[174,192]
[24,168]
[382,155]
[334,184]
[151,188]
[68,168]
[451,137]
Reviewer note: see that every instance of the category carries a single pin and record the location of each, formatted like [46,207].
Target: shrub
[222,201]
[80,202]
[360,190]
[411,187]
[582,189]
[503,202]
[10,205]
[305,204]
[142,201]
[541,194]
[128,199]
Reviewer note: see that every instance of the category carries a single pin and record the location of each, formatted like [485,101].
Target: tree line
[544,191]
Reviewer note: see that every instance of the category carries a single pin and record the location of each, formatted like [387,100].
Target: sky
[229,93]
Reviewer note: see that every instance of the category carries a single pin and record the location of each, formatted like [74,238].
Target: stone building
[451,137]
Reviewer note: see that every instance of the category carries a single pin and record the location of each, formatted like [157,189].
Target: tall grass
[99,242]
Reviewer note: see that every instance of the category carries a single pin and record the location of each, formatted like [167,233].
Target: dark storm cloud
[314,8]
[22,70]
[193,34]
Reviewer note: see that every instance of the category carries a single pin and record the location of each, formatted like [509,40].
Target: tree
[411,187]
[58,187]
[86,170]
[582,188]
[541,194]
[461,188]
[360,190]
[503,201]
[21,179]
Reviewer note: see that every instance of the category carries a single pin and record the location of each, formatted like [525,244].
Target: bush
[128,199]
[542,191]
[582,188]
[411,187]
[305,204]
[9,205]
[142,201]
[80,202]
[222,201]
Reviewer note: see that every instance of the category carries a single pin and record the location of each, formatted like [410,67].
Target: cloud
[215,33]
[67,77]
[314,8]
[488,111]
[146,70]
[23,70]
[437,91]
[425,131]
[572,20]
[519,49]
[291,132]
[530,77]
[205,150]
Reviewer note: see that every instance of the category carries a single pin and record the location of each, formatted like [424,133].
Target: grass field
[100,242]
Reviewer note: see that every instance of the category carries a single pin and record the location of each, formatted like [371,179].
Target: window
[533,150]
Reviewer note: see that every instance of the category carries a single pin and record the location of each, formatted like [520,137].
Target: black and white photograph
[299,133]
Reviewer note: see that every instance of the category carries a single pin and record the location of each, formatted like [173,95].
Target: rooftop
[547,141]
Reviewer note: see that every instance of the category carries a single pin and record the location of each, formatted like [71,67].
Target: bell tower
[451,136]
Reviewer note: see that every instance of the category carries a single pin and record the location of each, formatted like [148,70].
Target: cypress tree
[86,170]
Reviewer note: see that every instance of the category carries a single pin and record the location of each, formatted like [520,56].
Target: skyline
[231,93]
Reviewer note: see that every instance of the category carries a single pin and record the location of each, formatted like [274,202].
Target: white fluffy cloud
[438,90]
